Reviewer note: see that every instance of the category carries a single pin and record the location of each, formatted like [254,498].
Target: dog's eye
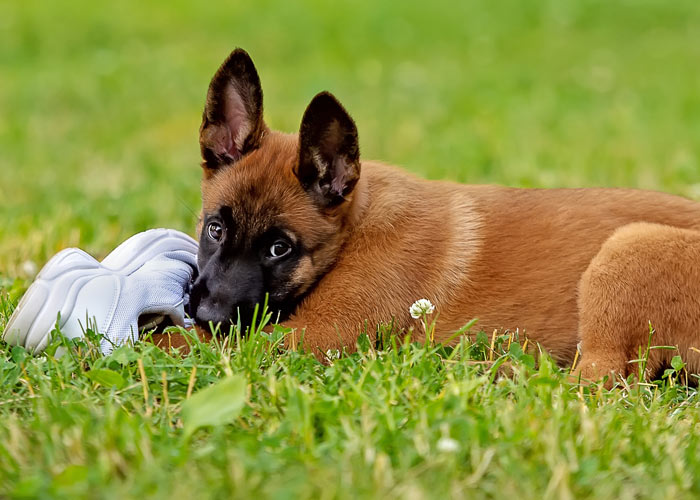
[215,231]
[280,248]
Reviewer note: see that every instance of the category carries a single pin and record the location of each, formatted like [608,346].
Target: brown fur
[511,257]
[643,273]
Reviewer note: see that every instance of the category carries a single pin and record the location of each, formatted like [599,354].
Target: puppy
[643,273]
[339,244]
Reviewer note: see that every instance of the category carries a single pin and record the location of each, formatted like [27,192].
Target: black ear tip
[239,60]
[237,67]
[325,106]
[325,100]
[239,54]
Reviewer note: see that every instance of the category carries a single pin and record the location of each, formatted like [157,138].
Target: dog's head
[274,206]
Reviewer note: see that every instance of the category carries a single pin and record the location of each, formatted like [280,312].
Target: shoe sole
[50,300]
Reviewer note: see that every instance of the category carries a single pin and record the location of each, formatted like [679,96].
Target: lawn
[99,111]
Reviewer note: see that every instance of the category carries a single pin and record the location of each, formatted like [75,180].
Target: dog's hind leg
[644,276]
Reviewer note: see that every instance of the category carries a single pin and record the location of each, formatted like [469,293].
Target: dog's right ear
[232,123]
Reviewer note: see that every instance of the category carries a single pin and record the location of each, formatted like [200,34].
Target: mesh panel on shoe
[159,286]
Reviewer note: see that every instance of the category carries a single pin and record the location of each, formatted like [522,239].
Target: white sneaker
[148,274]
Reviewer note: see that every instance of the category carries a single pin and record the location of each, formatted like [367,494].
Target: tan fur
[511,257]
[643,273]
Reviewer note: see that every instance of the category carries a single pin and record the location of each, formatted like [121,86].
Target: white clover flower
[447,445]
[421,307]
[333,354]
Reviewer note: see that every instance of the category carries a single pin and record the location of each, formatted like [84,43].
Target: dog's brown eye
[280,248]
[215,231]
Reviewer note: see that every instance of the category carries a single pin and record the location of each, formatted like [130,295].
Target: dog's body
[511,257]
[339,252]
[644,273]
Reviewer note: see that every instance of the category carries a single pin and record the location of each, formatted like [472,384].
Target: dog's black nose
[204,308]
[227,294]
[207,308]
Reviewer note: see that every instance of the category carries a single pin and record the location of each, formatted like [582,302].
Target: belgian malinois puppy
[340,244]
[645,274]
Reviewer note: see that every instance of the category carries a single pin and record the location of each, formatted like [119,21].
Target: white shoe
[149,273]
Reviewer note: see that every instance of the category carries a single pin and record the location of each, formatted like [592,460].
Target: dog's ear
[329,153]
[232,123]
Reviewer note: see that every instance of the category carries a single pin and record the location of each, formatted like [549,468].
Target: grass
[98,140]
[412,420]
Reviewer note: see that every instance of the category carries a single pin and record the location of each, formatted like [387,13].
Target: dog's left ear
[329,152]
[232,123]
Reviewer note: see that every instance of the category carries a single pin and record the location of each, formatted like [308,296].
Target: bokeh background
[100,102]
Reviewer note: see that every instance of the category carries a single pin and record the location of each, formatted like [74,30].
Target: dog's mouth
[246,318]
[214,314]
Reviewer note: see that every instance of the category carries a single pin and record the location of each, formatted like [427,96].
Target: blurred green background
[100,102]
